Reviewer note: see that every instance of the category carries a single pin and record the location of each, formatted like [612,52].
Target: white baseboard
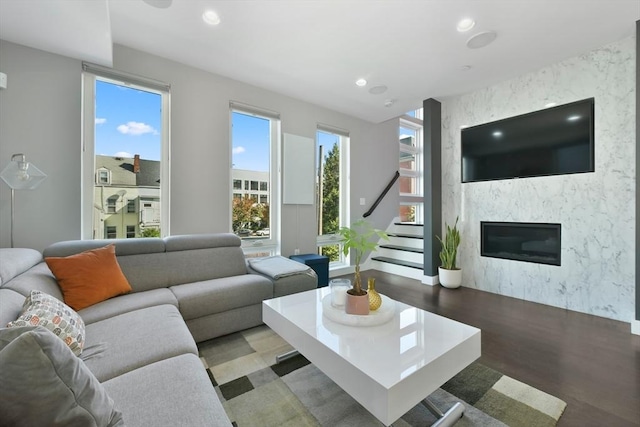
[431,280]
[635,327]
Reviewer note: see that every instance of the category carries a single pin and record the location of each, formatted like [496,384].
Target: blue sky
[250,136]
[128,121]
[250,142]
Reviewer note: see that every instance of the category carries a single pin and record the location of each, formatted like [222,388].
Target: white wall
[596,210]
[43,121]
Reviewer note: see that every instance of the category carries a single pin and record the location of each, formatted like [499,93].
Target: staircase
[403,253]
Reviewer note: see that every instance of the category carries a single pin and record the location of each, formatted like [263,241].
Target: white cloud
[136,128]
[123,154]
[100,120]
[238,150]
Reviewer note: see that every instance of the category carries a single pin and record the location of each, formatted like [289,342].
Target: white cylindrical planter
[450,278]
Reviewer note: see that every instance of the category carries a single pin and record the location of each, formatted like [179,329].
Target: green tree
[248,214]
[331,192]
[331,199]
[242,214]
[262,211]
[150,232]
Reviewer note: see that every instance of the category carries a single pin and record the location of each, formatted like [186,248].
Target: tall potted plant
[358,238]
[450,275]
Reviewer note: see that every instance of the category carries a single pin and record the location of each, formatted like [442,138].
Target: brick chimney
[136,163]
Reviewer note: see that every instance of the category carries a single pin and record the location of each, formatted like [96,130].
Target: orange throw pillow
[89,277]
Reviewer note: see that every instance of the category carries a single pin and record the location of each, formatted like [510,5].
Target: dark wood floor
[590,362]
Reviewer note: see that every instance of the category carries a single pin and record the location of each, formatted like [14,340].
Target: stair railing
[381,196]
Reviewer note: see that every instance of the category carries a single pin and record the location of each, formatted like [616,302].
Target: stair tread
[410,236]
[399,262]
[403,248]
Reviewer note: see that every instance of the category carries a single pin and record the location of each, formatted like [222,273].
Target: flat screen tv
[553,141]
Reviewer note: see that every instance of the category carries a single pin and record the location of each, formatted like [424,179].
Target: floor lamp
[20,175]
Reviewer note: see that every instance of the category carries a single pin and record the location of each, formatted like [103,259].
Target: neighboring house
[127,194]
[126,197]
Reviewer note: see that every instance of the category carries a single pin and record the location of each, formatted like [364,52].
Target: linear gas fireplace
[521,241]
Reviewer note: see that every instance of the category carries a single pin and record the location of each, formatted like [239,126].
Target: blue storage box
[319,264]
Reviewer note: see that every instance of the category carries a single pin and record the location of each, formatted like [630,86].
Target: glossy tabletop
[388,368]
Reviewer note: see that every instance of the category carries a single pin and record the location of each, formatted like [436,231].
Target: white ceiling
[315,50]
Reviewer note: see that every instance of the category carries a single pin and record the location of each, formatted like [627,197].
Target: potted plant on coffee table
[358,238]
[450,275]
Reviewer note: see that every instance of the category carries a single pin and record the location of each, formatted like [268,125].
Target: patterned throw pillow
[40,309]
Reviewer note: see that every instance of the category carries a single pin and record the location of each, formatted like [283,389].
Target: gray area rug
[256,391]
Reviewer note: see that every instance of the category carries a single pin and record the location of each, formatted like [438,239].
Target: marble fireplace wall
[596,210]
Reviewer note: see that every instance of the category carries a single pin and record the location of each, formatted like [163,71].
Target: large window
[332,190]
[125,155]
[410,167]
[254,147]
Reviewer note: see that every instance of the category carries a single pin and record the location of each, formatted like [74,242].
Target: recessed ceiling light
[377,90]
[211,17]
[550,104]
[574,118]
[160,4]
[361,82]
[481,39]
[497,134]
[465,25]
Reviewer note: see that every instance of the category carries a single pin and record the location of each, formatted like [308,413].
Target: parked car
[243,232]
[263,232]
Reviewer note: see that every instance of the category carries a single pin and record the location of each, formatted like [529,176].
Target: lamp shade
[22,175]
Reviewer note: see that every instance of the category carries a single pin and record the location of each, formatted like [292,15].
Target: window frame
[110,232]
[412,199]
[131,206]
[270,244]
[112,205]
[99,174]
[344,206]
[91,73]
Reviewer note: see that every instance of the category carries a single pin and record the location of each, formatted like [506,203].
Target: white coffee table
[388,368]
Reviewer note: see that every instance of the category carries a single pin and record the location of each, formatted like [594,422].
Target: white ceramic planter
[450,278]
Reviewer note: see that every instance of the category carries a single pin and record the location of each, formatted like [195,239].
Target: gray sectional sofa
[141,346]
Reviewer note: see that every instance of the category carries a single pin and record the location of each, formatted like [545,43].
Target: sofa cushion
[126,303]
[189,242]
[128,341]
[144,245]
[40,309]
[10,305]
[146,271]
[38,278]
[14,261]
[213,296]
[89,277]
[171,392]
[226,322]
[47,385]
[142,260]
[204,264]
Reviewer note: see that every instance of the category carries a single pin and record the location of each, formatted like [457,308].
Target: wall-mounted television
[553,141]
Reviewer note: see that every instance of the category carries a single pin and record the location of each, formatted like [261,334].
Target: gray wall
[40,115]
[40,112]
